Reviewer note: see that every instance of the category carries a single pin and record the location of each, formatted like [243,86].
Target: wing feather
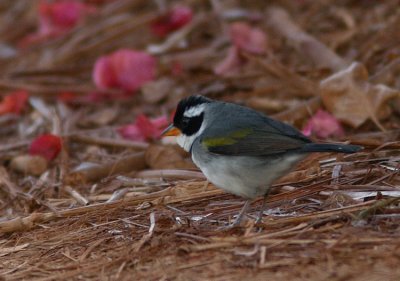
[251,134]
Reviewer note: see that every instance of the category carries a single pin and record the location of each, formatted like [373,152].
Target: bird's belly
[245,176]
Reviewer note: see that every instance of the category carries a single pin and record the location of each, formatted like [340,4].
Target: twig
[171,174]
[176,37]
[76,195]
[90,249]
[14,145]
[118,194]
[378,206]
[108,142]
[138,245]
[305,44]
[300,112]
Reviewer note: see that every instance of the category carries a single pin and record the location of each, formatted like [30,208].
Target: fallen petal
[56,19]
[248,38]
[230,64]
[323,125]
[144,128]
[47,146]
[14,102]
[61,15]
[124,69]
[131,132]
[171,21]
[103,74]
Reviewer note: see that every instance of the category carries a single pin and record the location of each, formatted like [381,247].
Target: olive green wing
[264,136]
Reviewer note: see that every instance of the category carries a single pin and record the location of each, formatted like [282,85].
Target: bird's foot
[239,218]
[236,223]
[259,219]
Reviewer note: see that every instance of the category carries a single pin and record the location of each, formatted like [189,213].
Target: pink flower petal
[248,38]
[160,123]
[124,69]
[103,73]
[244,38]
[61,15]
[230,64]
[144,128]
[171,21]
[131,132]
[47,146]
[323,125]
[14,102]
[55,19]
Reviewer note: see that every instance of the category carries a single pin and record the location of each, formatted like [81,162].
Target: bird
[239,149]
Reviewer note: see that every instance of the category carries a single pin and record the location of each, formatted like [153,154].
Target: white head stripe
[194,111]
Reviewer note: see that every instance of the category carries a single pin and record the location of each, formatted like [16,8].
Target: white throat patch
[186,141]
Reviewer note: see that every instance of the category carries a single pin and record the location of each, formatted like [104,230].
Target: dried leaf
[167,157]
[348,95]
[29,164]
[100,118]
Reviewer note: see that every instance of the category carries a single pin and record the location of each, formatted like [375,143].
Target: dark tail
[328,147]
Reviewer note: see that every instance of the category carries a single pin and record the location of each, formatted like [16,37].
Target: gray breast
[246,176]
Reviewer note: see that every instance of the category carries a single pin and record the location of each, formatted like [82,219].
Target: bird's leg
[241,213]
[260,215]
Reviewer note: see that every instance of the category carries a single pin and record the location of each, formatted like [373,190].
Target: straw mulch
[143,212]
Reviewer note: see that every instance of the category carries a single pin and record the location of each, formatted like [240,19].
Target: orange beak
[171,131]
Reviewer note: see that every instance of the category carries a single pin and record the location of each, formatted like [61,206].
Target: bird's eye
[185,122]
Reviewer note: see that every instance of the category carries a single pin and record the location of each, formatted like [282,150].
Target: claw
[239,218]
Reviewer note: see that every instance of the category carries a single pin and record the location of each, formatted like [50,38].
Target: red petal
[171,21]
[103,74]
[61,15]
[144,128]
[124,69]
[47,146]
[14,102]
[323,125]
[248,38]
[55,19]
[131,132]
[67,97]
[160,123]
